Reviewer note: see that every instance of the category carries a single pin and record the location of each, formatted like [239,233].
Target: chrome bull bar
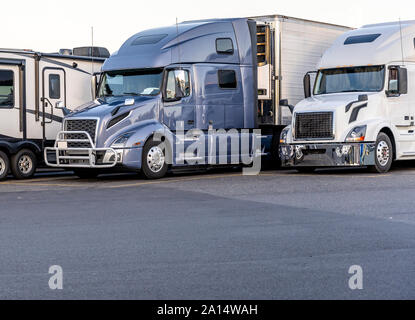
[78,158]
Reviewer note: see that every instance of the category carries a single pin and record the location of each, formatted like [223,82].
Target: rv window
[177,79]
[224,46]
[227,79]
[6,89]
[54,86]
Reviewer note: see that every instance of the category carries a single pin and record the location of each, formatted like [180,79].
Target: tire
[23,164]
[86,173]
[383,154]
[154,164]
[4,165]
[305,169]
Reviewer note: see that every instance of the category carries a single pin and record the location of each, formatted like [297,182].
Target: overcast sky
[46,25]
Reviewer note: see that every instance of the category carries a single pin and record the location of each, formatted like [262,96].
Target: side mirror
[307,86]
[94,86]
[61,105]
[398,81]
[284,103]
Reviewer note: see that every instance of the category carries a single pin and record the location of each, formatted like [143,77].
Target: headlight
[122,140]
[357,134]
[283,136]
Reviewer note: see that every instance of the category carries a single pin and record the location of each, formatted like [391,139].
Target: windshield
[124,83]
[355,79]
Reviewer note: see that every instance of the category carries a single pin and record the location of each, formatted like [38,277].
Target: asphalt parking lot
[215,235]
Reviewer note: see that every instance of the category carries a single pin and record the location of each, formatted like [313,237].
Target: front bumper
[62,156]
[328,155]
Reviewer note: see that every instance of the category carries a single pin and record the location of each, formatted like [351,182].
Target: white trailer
[33,87]
[295,47]
[361,110]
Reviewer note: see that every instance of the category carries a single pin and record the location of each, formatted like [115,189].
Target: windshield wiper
[344,91]
[131,94]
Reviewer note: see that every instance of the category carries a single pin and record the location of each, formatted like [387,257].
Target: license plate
[62,145]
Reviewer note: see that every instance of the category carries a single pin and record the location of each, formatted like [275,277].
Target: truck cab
[360,112]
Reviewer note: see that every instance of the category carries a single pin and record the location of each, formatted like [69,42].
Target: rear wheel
[4,165]
[154,164]
[383,154]
[86,173]
[23,164]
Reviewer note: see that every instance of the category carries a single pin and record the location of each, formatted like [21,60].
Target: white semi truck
[362,109]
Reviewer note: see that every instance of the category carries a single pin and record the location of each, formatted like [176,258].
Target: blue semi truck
[198,93]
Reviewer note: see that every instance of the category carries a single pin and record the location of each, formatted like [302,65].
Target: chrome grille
[88,125]
[314,125]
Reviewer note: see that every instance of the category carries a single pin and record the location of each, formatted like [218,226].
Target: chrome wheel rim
[25,164]
[2,166]
[383,153]
[155,159]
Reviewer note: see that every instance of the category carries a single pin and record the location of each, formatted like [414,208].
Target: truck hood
[337,103]
[123,117]
[101,107]
[330,102]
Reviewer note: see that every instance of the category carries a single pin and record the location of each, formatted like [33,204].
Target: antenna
[178,44]
[400,28]
[92,50]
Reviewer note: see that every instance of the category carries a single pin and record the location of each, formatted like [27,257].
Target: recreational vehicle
[360,112]
[33,88]
[207,83]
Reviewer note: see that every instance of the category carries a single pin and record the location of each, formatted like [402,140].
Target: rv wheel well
[389,133]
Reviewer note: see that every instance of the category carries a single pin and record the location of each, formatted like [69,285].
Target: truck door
[53,92]
[11,102]
[179,105]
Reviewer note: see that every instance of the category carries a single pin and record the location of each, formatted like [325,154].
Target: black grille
[88,125]
[314,125]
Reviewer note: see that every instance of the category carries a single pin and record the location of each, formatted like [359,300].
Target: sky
[47,26]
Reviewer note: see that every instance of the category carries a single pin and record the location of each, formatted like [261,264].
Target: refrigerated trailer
[33,86]
[361,111]
[197,81]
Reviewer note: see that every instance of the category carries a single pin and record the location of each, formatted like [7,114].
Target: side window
[224,46]
[54,86]
[178,84]
[227,79]
[6,89]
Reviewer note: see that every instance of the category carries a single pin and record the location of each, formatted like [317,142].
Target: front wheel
[383,154]
[23,164]
[154,164]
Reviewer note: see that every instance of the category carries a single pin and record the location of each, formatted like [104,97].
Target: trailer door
[11,102]
[53,92]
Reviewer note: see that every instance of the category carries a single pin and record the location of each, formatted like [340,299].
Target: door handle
[190,121]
